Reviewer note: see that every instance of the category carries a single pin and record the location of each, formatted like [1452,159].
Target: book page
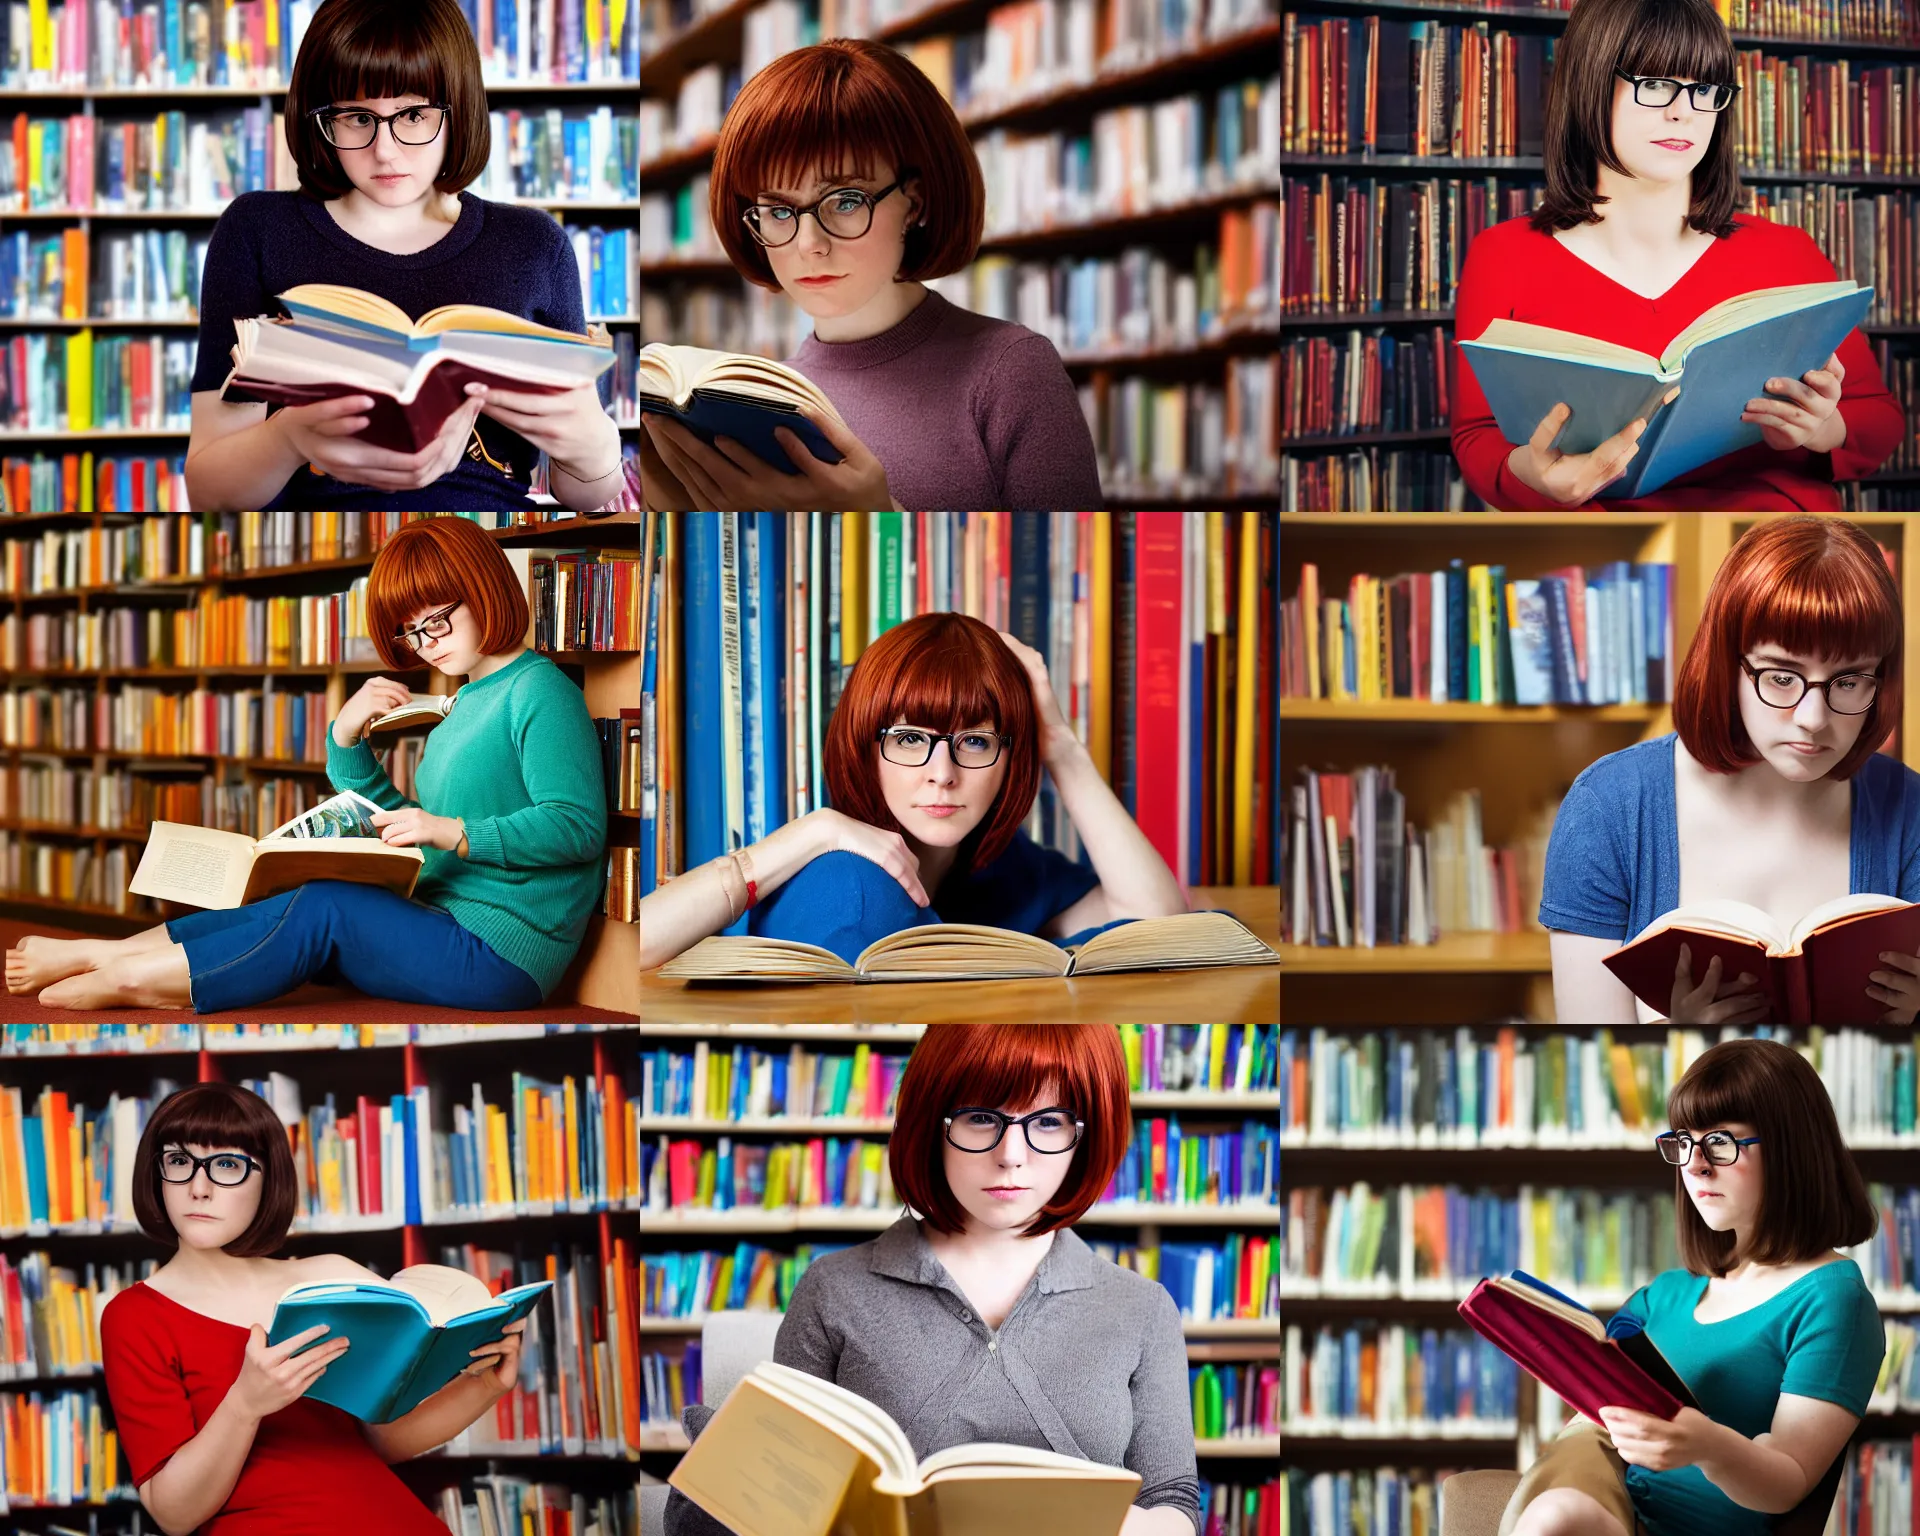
[764,1466]
[1839,908]
[418,706]
[1736,919]
[1752,308]
[346,814]
[932,951]
[1581,1317]
[889,1442]
[198,866]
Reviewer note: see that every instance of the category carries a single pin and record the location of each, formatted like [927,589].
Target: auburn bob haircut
[217,1115]
[987,1065]
[944,671]
[840,108]
[1812,1197]
[1678,39]
[441,559]
[1816,586]
[357,50]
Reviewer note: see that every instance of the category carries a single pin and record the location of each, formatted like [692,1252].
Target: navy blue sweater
[512,258]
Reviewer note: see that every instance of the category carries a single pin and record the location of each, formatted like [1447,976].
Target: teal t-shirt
[1820,1337]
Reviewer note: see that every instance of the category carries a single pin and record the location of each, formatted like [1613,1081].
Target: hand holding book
[328,436]
[729,475]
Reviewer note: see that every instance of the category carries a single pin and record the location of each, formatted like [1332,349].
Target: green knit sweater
[518,760]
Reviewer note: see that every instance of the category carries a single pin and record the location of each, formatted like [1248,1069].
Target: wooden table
[1240,994]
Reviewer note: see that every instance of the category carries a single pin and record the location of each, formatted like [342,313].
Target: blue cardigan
[1613,861]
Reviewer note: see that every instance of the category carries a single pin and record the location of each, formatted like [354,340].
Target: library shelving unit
[1239,1459]
[1521,758]
[345,1060]
[1892,488]
[666,58]
[605,973]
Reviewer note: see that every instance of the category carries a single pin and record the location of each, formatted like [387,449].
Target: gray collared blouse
[1090,1361]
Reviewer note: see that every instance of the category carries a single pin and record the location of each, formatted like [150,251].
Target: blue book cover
[749,422]
[649,684]
[406,1111]
[770,671]
[703,791]
[33,1142]
[407,1337]
[1718,363]
[752,722]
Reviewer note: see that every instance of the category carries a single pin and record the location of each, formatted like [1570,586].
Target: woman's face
[1727,1196]
[387,171]
[206,1214]
[1033,1178]
[1804,742]
[455,654]
[830,276]
[913,794]
[1639,132]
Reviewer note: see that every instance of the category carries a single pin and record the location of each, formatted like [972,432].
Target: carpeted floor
[311,1004]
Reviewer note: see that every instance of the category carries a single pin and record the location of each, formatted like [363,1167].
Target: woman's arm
[1584,990]
[237,456]
[693,906]
[193,1486]
[1161,1520]
[436,1420]
[1133,876]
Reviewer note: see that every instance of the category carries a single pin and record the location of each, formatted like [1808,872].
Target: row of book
[1362,874]
[1388,1379]
[1187,441]
[1152,624]
[170,44]
[75,381]
[1362,243]
[200,163]
[75,874]
[501,1504]
[1343,383]
[87,482]
[1524,1088]
[1599,634]
[410,1158]
[1376,85]
[56,1037]
[661,21]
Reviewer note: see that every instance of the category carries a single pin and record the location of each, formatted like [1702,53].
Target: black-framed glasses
[1721,1147]
[1784,688]
[845,213]
[910,747]
[1051,1131]
[1658,91]
[178,1166]
[357,127]
[435,626]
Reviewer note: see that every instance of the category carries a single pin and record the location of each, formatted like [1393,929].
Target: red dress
[1515,272]
[310,1472]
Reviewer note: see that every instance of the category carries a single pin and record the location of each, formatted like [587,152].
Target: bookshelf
[1521,758]
[91,1063]
[1412,467]
[1241,1460]
[1190,325]
[58,859]
[539,85]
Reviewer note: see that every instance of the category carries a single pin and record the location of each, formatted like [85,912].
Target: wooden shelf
[1519,953]
[1423,710]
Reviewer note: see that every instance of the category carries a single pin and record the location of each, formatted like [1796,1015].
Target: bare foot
[108,987]
[37,962]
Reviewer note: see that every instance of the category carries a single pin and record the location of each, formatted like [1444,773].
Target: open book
[407,1337]
[969,952]
[336,840]
[790,1454]
[1720,362]
[1564,1347]
[344,341]
[422,711]
[734,394]
[1816,972]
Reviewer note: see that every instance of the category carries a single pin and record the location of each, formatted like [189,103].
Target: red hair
[987,1065]
[945,671]
[1815,586]
[843,105]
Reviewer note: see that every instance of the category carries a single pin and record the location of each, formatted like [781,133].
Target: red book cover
[55,1119]
[1159,1164]
[1158,657]
[369,1117]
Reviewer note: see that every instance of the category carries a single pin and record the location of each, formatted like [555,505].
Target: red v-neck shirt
[1512,270]
[309,1472]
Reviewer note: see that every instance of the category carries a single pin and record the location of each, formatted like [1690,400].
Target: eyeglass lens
[1719,1147]
[979,1131]
[177,1168]
[1705,95]
[432,629]
[356,130]
[1850,694]
[845,214]
[912,749]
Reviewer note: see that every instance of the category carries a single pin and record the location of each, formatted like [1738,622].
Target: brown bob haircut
[357,50]
[1812,1197]
[1672,38]
[217,1115]
[1816,586]
[987,1065]
[444,558]
[843,106]
[944,671]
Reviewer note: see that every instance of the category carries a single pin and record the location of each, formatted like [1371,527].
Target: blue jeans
[334,931]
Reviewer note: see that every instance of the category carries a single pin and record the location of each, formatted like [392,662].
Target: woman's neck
[1639,219]
[490,664]
[878,315]
[990,1250]
[400,225]
[1756,790]
[211,1269]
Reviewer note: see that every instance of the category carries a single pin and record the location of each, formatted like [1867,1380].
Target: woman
[1770,791]
[515,840]
[843,178]
[1635,238]
[933,757]
[1775,1334]
[218,1434]
[387,122]
[981,1315]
